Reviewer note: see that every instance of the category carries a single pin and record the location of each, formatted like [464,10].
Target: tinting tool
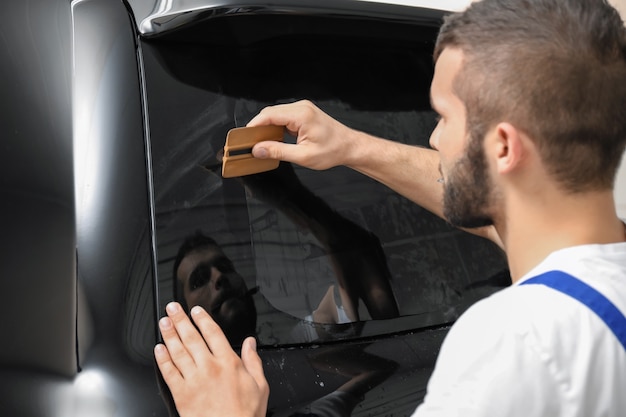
[238,159]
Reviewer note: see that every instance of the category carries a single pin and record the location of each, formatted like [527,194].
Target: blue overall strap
[587,295]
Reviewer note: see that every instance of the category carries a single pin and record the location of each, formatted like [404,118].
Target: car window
[304,256]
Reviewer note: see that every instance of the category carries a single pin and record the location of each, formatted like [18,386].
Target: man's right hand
[321,141]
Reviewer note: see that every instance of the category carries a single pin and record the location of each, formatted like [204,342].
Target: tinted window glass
[296,255]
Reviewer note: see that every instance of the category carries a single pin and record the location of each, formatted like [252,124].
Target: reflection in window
[342,238]
[332,253]
[322,248]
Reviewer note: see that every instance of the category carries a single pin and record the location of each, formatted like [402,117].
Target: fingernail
[196,310]
[159,350]
[165,323]
[172,308]
[260,153]
[253,344]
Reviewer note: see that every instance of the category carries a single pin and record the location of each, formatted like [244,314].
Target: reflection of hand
[322,142]
[204,374]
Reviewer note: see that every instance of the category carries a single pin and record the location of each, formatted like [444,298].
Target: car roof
[156,17]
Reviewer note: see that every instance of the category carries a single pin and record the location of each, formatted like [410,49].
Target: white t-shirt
[530,350]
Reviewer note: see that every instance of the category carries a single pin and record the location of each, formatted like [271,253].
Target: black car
[113,120]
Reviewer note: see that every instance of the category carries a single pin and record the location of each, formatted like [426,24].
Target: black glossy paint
[37,279]
[81,285]
[74,258]
[158,17]
[113,211]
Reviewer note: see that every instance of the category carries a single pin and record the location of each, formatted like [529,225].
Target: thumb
[252,362]
[275,150]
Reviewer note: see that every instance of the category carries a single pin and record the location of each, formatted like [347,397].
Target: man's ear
[509,147]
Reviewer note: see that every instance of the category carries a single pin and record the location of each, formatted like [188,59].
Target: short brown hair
[555,69]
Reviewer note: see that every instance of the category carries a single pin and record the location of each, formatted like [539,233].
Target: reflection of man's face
[209,280]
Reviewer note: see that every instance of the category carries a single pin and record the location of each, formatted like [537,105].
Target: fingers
[252,362]
[220,383]
[288,115]
[211,332]
[292,116]
[321,140]
[177,353]
[253,365]
[184,344]
[170,372]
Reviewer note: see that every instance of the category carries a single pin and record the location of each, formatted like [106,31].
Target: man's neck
[535,229]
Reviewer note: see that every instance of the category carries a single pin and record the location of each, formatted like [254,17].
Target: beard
[468,190]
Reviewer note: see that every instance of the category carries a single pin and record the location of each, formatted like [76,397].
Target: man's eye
[199,277]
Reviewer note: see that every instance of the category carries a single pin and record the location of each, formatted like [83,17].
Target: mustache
[231,295]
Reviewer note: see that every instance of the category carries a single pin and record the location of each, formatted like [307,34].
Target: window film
[294,255]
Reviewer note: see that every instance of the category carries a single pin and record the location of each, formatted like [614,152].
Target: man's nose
[219,281]
[434,137]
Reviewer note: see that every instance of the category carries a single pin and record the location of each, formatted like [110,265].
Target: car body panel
[36,182]
[157,17]
[91,105]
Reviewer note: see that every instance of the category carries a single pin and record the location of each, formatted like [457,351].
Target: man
[532,99]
